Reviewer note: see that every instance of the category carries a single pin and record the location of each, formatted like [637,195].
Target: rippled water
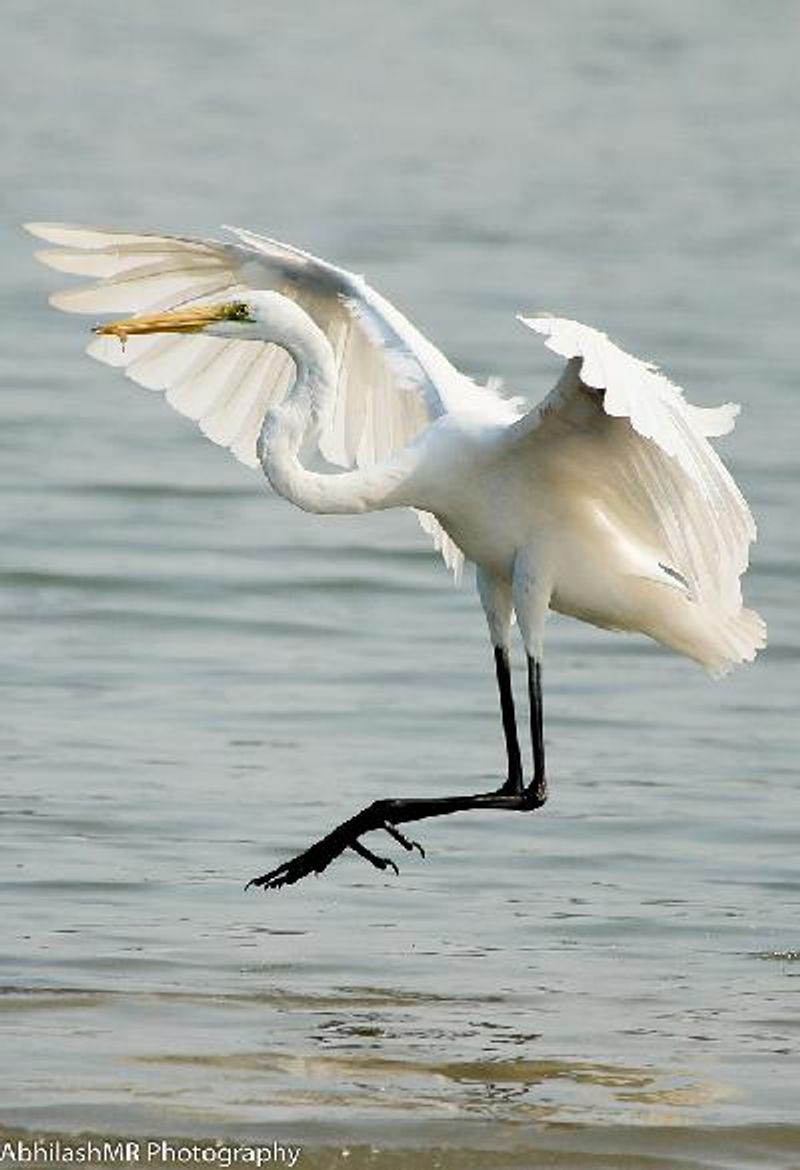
[197,679]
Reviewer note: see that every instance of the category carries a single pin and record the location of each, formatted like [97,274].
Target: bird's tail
[732,640]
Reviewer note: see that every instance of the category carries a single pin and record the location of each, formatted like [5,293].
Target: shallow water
[197,679]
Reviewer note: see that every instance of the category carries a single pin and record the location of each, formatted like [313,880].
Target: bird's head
[258,316]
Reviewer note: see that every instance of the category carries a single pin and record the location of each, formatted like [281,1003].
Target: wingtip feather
[42,230]
[56,233]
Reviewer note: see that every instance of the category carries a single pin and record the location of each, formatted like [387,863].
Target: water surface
[197,678]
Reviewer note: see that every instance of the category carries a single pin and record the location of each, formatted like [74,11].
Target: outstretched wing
[644,449]
[392,382]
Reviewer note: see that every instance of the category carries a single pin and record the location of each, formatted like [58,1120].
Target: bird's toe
[401,838]
[373,858]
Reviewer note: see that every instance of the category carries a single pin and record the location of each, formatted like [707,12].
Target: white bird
[605,502]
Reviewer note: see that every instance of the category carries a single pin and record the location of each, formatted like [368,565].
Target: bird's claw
[407,844]
[345,836]
[373,858]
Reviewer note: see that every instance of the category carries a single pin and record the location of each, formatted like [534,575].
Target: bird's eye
[237,311]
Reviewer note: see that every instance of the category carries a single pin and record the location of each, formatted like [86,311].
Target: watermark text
[40,1152]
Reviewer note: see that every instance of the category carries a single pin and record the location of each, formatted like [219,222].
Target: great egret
[605,502]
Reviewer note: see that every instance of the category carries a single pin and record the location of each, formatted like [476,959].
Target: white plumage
[662,484]
[607,497]
[605,502]
[392,382]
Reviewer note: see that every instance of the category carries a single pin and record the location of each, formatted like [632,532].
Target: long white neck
[304,411]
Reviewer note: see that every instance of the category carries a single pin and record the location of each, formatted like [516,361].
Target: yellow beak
[171,321]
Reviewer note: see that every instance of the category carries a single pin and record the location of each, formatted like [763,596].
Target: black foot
[344,836]
[385,815]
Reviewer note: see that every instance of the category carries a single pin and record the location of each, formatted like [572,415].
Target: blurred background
[198,679]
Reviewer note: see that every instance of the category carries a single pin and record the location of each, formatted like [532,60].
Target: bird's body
[554,519]
[606,502]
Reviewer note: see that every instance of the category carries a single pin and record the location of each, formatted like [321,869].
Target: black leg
[537,789]
[386,815]
[515,781]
